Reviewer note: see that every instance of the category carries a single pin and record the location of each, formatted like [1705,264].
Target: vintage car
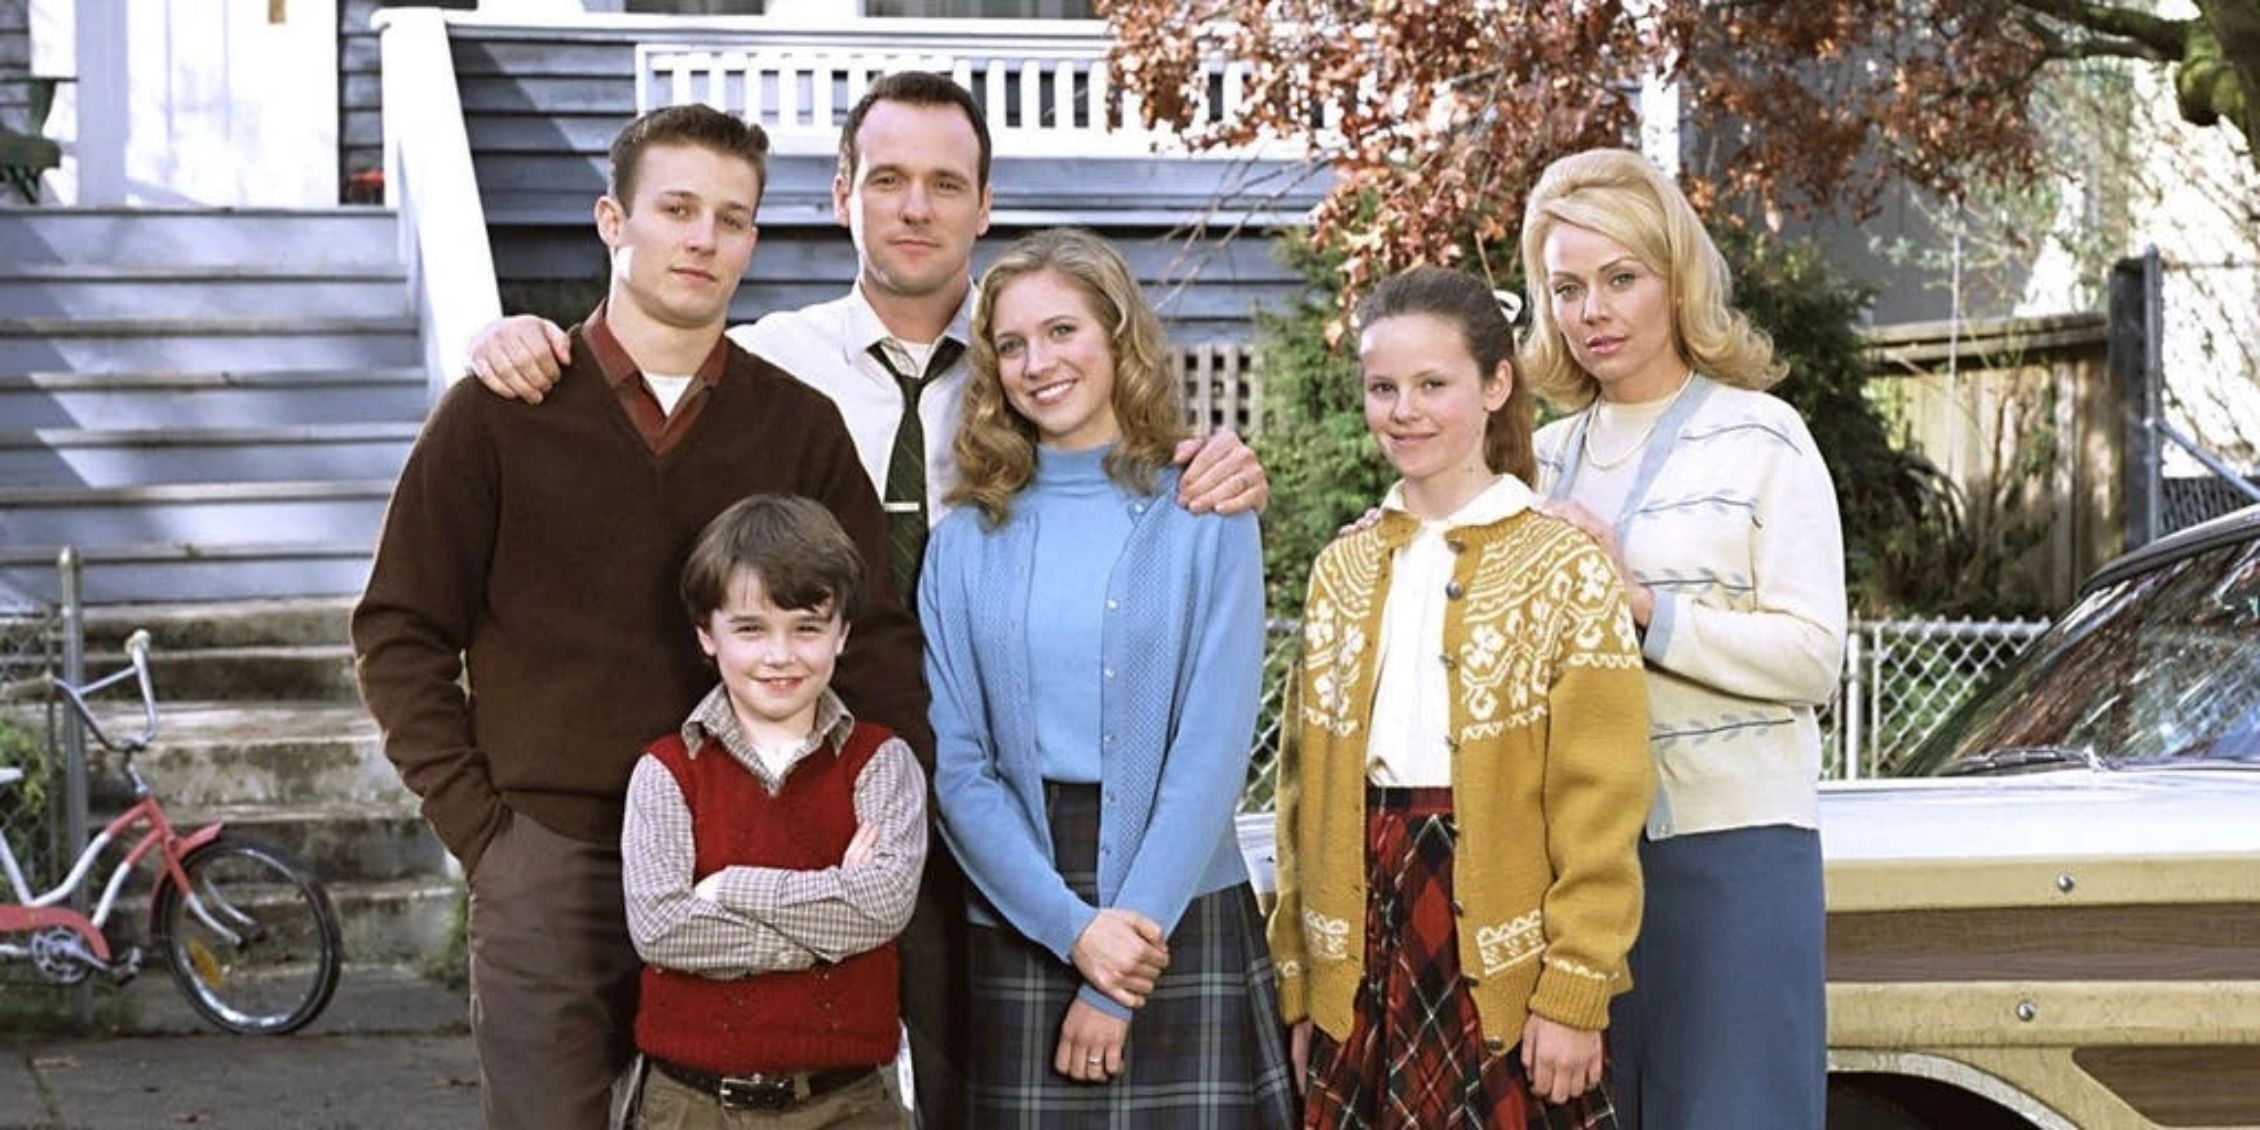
[2058,924]
[2055,922]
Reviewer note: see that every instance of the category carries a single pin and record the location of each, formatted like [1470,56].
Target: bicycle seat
[9,774]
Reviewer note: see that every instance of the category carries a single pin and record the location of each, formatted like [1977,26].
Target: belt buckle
[758,1092]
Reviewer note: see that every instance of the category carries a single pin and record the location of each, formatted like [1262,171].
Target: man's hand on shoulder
[1221,474]
[520,357]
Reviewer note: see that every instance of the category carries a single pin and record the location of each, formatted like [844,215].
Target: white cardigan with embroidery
[1732,525]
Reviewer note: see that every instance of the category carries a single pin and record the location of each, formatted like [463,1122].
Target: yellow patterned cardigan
[1550,775]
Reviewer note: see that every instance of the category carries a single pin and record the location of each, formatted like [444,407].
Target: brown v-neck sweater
[540,545]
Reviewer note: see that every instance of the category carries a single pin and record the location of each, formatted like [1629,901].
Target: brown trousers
[553,979]
[869,1105]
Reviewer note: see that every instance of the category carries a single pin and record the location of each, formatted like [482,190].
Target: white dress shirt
[828,346]
[1412,703]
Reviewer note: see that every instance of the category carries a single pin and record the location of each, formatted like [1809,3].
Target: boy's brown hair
[803,557]
[696,125]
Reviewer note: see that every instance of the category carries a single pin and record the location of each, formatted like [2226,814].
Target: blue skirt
[1726,1026]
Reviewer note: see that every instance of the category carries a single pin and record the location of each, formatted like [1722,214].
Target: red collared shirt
[659,428]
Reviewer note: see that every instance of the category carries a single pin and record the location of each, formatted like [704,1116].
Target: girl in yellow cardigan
[1466,776]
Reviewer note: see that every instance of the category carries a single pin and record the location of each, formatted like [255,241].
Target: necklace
[1593,456]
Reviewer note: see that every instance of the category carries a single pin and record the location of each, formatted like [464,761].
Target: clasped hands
[1121,953]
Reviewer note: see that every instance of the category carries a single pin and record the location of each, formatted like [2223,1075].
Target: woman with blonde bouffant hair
[1713,500]
[1094,653]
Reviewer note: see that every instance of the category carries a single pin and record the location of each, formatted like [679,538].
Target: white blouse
[1411,694]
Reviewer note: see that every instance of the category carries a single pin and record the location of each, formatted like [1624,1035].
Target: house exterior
[218,146]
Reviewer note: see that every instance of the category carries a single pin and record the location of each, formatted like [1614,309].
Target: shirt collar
[864,329]
[1493,504]
[619,368]
[713,718]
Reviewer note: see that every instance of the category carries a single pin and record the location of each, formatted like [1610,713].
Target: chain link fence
[31,809]
[1901,679]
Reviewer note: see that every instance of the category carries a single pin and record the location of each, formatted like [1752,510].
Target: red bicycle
[250,936]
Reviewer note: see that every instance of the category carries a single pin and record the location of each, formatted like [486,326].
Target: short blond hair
[1621,195]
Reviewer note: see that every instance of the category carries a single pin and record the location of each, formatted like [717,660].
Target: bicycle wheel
[256,947]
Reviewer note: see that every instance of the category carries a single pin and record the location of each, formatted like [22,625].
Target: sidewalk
[390,1051]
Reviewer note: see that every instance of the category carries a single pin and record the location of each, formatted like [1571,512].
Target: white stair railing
[430,183]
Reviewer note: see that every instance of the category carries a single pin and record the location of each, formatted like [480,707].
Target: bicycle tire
[279,975]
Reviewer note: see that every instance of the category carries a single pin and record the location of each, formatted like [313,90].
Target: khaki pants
[868,1105]
[553,979]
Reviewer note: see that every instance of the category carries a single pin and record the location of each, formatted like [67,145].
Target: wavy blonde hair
[996,446]
[1619,194]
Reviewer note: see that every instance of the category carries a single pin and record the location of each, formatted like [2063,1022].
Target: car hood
[2083,812]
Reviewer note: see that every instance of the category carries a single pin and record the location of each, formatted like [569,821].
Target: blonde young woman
[1459,807]
[1094,653]
[1720,515]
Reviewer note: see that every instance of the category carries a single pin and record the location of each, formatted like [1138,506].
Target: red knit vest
[825,1016]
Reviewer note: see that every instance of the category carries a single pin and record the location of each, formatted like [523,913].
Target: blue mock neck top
[1082,521]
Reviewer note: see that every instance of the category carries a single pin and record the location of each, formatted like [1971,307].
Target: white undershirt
[1412,704]
[918,353]
[668,391]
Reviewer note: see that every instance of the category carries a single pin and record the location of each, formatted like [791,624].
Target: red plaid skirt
[1414,1059]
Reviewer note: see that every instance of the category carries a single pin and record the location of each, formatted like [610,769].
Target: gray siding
[15,65]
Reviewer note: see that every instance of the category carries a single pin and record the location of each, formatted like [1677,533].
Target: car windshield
[2156,670]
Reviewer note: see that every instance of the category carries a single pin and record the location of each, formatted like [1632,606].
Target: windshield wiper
[2022,757]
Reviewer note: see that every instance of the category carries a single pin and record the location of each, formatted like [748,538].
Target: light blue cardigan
[1184,643]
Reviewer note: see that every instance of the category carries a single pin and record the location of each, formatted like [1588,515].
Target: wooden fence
[1222,387]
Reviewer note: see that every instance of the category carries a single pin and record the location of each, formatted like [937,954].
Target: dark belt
[763,1090]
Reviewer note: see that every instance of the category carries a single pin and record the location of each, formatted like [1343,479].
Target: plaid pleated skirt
[1207,1050]
[1414,1058]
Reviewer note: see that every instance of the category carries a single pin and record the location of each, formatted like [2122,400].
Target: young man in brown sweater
[537,550]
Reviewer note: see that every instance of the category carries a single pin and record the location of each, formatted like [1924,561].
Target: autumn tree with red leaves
[1436,116]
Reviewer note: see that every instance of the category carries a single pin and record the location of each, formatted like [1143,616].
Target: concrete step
[230,754]
[260,674]
[217,399]
[192,514]
[188,626]
[371,998]
[198,571]
[79,290]
[267,343]
[336,842]
[315,240]
[385,922]
[61,457]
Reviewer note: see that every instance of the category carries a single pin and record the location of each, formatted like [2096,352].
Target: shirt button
[1112,605]
[1110,672]
[1453,591]
[1106,739]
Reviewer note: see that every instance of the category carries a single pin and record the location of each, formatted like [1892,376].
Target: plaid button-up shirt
[744,921]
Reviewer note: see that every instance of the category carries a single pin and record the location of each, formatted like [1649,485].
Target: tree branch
[2168,37]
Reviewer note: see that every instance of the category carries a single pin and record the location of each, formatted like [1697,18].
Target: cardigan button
[1453,591]
[1495,1044]
[1448,661]
[1470,980]
[1455,545]
[1458,910]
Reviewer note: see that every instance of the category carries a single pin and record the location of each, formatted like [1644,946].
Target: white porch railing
[429,182]
[1043,84]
